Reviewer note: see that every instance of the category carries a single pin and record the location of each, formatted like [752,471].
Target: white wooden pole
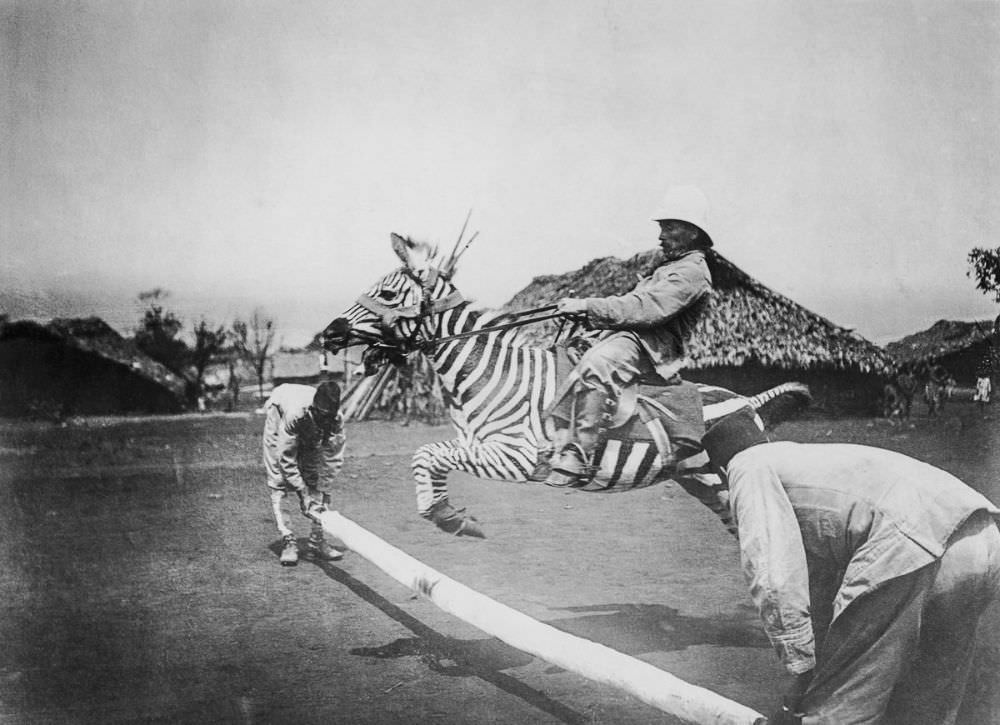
[650,684]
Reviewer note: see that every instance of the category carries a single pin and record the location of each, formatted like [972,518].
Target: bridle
[419,313]
[396,348]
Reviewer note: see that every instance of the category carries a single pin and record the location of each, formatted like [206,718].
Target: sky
[259,153]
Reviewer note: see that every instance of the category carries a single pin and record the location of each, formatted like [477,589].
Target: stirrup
[570,467]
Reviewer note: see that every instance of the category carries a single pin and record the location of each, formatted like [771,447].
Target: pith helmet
[687,204]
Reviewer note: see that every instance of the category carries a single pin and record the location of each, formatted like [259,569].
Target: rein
[502,327]
[427,307]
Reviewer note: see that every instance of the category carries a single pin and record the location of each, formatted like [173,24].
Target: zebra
[497,386]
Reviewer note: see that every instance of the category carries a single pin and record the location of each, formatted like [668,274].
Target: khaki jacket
[296,450]
[832,522]
[660,311]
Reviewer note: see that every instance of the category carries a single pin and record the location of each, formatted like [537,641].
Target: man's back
[868,512]
[292,398]
[843,482]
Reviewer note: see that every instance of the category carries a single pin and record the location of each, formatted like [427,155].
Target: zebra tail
[781,403]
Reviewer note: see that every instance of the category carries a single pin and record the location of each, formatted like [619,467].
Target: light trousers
[902,653]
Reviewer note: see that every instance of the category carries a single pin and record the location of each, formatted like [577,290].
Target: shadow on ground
[632,629]
[449,656]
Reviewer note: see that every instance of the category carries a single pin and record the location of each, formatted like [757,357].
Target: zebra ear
[417,256]
[399,247]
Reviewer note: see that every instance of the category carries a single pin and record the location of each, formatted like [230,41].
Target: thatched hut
[298,366]
[964,349]
[750,338]
[80,366]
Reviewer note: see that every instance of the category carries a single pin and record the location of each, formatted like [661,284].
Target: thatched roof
[746,322]
[296,364]
[313,360]
[944,337]
[93,335]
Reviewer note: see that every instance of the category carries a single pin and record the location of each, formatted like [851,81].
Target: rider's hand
[571,306]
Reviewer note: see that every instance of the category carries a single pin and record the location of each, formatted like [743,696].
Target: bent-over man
[303,452]
[870,570]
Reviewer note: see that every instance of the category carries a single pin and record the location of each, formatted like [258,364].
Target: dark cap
[327,398]
[731,434]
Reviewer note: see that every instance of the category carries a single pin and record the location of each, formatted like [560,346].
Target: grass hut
[304,367]
[80,367]
[964,349]
[750,337]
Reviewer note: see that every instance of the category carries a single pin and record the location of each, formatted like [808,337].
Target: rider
[650,324]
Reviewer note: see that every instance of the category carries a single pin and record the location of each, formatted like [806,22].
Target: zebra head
[399,312]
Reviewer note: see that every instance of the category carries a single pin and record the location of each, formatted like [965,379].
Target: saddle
[667,412]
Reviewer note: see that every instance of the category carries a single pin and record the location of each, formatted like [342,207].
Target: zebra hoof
[471,527]
[541,473]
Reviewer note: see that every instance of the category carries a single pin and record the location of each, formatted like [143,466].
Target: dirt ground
[141,584]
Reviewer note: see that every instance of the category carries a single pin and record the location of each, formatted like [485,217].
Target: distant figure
[934,390]
[870,570]
[893,403]
[934,398]
[950,386]
[904,387]
[983,389]
[234,386]
[303,452]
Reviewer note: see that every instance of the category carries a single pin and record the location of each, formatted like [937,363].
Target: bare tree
[254,339]
[209,343]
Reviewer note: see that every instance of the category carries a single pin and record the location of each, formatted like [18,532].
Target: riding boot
[592,419]
[574,463]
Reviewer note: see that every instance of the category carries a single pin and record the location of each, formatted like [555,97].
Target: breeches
[310,460]
[902,653]
[613,363]
[309,465]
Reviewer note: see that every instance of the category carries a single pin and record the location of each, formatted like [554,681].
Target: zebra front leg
[434,461]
